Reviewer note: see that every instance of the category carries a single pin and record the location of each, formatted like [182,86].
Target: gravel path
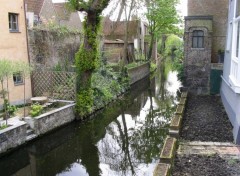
[206,120]
[199,165]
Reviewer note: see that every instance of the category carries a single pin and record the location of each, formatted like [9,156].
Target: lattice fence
[56,85]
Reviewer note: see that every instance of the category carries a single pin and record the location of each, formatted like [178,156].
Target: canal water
[124,139]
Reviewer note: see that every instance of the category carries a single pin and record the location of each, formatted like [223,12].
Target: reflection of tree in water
[126,147]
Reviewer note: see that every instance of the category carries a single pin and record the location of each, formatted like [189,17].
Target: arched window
[198,39]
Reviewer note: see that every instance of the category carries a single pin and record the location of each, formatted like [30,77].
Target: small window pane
[195,42]
[238,8]
[200,42]
[237,45]
[17,78]
[13,21]
[198,39]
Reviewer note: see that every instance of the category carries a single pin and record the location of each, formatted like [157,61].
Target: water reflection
[125,139]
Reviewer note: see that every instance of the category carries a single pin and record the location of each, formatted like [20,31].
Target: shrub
[3,126]
[36,110]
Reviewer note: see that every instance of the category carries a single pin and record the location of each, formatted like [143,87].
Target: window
[198,39]
[234,77]
[13,22]
[17,78]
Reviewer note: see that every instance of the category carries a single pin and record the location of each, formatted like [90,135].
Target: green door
[215,81]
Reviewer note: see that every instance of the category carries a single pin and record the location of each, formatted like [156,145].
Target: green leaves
[162,16]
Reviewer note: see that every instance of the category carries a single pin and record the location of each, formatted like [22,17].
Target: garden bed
[206,120]
[52,119]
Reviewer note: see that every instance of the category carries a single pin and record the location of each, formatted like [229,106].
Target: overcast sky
[182,7]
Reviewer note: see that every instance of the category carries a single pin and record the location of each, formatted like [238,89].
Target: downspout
[27,44]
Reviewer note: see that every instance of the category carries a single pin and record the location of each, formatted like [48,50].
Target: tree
[6,69]
[25,69]
[87,57]
[162,18]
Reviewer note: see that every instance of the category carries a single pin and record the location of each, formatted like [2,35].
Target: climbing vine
[87,59]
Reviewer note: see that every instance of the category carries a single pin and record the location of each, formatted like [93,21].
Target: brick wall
[197,63]
[219,10]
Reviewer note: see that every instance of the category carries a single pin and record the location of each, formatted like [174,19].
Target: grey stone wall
[47,49]
[197,63]
[53,119]
[13,136]
[138,73]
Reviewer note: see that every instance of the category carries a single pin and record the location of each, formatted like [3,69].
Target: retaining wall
[13,136]
[53,119]
[138,73]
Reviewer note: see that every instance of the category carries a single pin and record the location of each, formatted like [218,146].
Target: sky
[182,6]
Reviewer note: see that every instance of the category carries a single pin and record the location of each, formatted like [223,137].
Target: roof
[34,6]
[117,28]
[62,11]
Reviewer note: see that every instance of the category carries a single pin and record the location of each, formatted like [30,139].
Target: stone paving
[223,149]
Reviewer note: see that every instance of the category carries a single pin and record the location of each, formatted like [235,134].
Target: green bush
[36,110]
[11,109]
[3,126]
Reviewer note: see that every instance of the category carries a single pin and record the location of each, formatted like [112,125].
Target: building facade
[230,89]
[205,37]
[13,46]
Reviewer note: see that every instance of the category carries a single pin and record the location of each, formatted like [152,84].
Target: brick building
[204,42]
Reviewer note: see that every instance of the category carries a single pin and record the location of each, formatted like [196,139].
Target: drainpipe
[27,44]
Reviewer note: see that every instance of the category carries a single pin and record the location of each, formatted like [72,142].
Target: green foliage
[162,18]
[59,30]
[153,67]
[3,126]
[86,59]
[36,110]
[84,102]
[11,109]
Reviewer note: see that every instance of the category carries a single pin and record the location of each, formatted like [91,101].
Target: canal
[124,139]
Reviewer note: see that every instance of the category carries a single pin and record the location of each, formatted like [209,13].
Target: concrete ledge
[180,110]
[184,95]
[182,101]
[174,133]
[162,169]
[176,122]
[168,151]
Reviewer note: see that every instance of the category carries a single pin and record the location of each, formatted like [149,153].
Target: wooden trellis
[56,85]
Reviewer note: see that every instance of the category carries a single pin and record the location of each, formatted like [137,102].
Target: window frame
[234,77]
[197,38]
[11,22]
[16,80]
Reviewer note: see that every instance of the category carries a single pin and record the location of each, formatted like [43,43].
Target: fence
[56,85]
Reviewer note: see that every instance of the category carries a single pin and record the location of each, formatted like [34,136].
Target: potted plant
[220,56]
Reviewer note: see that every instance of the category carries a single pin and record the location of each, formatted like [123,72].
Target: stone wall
[138,73]
[13,136]
[47,49]
[219,10]
[197,63]
[53,119]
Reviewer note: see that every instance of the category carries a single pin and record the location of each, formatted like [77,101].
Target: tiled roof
[34,6]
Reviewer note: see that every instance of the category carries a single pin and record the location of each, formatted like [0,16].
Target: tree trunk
[86,60]
[151,47]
